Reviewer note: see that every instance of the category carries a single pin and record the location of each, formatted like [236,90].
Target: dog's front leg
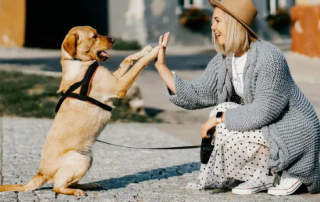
[126,63]
[126,81]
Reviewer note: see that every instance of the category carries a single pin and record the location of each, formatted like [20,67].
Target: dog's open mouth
[103,55]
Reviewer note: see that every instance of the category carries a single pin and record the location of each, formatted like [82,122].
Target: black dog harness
[84,90]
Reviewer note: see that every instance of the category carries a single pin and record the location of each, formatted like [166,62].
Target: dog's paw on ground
[79,192]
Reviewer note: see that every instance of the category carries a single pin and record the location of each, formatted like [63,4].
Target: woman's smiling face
[219,26]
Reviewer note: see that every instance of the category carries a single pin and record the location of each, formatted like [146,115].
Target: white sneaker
[251,187]
[288,185]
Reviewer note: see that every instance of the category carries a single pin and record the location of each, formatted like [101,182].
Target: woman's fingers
[208,125]
[204,135]
[161,59]
[204,131]
[160,41]
[165,39]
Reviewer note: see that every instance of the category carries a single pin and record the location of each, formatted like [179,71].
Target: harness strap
[85,84]
[90,100]
[84,90]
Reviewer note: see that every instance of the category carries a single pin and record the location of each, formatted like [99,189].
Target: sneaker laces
[285,177]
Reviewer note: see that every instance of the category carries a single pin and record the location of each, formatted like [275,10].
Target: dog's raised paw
[147,48]
[133,58]
[155,51]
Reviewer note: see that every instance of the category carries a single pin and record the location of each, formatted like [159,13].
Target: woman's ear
[70,44]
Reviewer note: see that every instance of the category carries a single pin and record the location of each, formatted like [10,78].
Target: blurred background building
[44,24]
[187,20]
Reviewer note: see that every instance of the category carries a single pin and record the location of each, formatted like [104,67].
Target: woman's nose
[213,26]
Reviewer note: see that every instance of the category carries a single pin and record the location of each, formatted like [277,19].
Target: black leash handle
[156,148]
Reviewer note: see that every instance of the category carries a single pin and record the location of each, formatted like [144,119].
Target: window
[190,3]
[186,4]
[274,5]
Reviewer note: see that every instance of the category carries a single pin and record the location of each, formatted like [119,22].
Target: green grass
[27,95]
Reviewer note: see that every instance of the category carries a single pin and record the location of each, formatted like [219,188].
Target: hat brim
[216,3]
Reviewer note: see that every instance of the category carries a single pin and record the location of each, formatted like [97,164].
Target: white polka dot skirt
[237,156]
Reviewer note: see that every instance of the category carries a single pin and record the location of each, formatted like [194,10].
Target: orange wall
[305,30]
[12,22]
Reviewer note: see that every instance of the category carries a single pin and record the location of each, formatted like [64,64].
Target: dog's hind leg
[73,167]
[126,63]
[62,179]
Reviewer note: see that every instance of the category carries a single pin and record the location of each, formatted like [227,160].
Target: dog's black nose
[112,40]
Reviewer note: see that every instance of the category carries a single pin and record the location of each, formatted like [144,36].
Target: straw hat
[242,10]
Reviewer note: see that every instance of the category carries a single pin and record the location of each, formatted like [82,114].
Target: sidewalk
[137,175]
[125,174]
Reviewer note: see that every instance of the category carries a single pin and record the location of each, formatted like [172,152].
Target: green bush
[121,44]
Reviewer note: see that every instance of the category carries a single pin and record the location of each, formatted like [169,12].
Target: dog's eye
[95,36]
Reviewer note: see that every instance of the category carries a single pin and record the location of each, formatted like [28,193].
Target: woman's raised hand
[161,59]
[160,63]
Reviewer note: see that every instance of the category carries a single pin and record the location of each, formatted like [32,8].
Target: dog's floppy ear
[70,44]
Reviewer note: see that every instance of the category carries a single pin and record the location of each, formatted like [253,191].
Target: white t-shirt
[238,64]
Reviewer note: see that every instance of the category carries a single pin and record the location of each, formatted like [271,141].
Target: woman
[264,126]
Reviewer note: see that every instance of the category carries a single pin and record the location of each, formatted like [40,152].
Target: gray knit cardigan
[272,102]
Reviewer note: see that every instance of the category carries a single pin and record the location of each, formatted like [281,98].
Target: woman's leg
[245,155]
[236,156]
[208,176]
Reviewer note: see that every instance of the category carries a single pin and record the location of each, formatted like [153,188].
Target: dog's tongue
[104,54]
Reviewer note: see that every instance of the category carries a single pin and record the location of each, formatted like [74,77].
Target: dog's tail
[36,181]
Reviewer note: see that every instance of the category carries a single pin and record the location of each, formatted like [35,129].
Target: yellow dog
[66,155]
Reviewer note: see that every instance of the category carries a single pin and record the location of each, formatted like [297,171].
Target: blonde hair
[238,37]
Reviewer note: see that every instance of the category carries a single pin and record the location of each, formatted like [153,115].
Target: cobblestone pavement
[125,174]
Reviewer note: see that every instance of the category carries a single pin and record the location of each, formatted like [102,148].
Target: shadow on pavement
[154,174]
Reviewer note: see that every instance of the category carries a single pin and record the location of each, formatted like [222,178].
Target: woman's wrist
[167,77]
[219,117]
[159,67]
[222,118]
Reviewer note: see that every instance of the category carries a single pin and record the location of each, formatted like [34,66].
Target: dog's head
[85,43]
